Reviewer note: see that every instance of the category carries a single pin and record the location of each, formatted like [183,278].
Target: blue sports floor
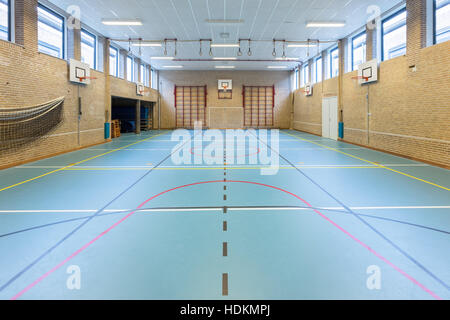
[336,222]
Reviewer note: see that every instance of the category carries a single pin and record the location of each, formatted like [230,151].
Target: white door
[330,118]
[325,118]
[333,107]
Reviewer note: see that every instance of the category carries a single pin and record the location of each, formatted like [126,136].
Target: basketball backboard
[79,72]
[140,89]
[225,85]
[308,89]
[368,72]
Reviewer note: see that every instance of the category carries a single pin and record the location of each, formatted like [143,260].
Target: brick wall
[30,78]
[410,111]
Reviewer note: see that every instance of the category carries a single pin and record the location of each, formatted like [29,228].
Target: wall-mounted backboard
[308,89]
[368,72]
[225,85]
[79,72]
[140,89]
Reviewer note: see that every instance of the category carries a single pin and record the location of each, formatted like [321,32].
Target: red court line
[73,255]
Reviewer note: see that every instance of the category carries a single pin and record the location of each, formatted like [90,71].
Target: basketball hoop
[224,87]
[82,79]
[366,79]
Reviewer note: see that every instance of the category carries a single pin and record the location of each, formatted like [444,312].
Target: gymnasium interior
[224,150]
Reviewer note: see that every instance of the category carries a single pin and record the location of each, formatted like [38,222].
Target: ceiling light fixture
[122,22]
[286,58]
[276,67]
[325,24]
[225,58]
[301,45]
[224,21]
[173,67]
[147,44]
[224,45]
[225,67]
[162,58]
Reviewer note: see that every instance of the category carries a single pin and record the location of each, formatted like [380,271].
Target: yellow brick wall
[30,78]
[410,111]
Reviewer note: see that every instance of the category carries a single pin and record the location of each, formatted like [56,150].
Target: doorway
[330,118]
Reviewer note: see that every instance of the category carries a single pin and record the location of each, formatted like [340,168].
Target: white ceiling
[263,20]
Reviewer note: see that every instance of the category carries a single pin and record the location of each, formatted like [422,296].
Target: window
[442,21]
[334,62]
[144,75]
[50,32]
[305,75]
[394,35]
[113,61]
[130,69]
[154,79]
[89,49]
[296,73]
[318,70]
[358,50]
[5,20]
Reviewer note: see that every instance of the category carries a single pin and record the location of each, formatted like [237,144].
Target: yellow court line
[80,162]
[211,168]
[368,161]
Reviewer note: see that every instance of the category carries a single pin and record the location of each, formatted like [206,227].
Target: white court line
[228,166]
[230,209]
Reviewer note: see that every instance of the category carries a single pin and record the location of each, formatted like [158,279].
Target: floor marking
[225,284]
[367,224]
[237,208]
[67,236]
[225,166]
[79,162]
[368,161]
[225,226]
[87,245]
[225,249]
[211,209]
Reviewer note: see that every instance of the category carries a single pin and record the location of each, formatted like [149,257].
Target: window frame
[131,69]
[116,73]
[403,10]
[9,5]
[435,10]
[153,72]
[353,49]
[306,75]
[331,61]
[95,45]
[63,31]
[316,79]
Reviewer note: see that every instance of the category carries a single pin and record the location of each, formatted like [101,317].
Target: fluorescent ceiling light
[147,44]
[173,67]
[281,59]
[276,67]
[224,21]
[225,67]
[225,45]
[122,22]
[162,58]
[325,24]
[302,45]
[228,58]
